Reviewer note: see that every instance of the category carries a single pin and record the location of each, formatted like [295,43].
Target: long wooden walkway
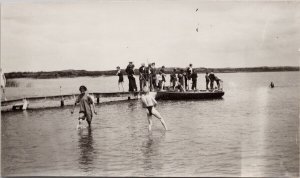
[63,100]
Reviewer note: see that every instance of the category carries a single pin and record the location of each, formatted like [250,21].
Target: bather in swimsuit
[150,110]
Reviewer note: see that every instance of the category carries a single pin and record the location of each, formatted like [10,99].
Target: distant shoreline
[84,73]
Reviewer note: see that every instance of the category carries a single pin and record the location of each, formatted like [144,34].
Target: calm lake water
[252,131]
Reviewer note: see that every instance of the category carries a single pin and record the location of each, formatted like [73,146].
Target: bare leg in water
[157,115]
[150,121]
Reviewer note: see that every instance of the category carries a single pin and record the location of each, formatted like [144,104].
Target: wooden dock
[64,100]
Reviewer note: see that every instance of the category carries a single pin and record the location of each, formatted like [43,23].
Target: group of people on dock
[155,78]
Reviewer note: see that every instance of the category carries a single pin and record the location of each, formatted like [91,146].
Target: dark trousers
[186,83]
[211,84]
[194,85]
[132,83]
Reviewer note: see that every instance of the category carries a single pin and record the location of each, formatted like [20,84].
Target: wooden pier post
[62,102]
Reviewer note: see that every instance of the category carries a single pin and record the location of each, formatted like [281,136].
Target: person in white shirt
[189,74]
[149,102]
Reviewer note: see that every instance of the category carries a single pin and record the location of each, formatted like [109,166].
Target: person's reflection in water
[85,145]
[152,154]
[132,105]
[25,114]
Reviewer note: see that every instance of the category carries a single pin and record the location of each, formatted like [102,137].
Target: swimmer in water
[149,102]
[86,104]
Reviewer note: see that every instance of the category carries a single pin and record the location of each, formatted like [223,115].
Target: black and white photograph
[150,88]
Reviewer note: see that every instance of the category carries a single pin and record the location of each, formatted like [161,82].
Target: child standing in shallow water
[149,102]
[85,104]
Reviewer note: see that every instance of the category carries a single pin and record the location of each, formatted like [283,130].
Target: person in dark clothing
[148,76]
[194,77]
[130,72]
[189,72]
[185,84]
[272,85]
[173,78]
[121,78]
[211,77]
[153,76]
[142,76]
[207,80]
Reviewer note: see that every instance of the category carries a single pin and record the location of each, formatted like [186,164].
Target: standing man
[130,72]
[207,80]
[189,72]
[185,84]
[148,76]
[153,75]
[212,78]
[3,83]
[194,77]
[173,79]
[142,76]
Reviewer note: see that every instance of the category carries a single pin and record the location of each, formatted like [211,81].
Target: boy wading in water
[149,102]
[85,104]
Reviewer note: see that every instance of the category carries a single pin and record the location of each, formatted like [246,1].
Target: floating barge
[189,95]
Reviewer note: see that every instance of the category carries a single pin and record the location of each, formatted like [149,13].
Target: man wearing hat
[130,73]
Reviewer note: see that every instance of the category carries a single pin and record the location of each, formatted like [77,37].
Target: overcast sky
[100,35]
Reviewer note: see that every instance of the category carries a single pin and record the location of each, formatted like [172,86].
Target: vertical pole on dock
[62,102]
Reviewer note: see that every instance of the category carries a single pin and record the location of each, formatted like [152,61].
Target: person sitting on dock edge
[149,102]
[86,104]
[181,80]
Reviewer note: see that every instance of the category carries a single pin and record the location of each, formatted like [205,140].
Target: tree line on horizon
[168,70]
